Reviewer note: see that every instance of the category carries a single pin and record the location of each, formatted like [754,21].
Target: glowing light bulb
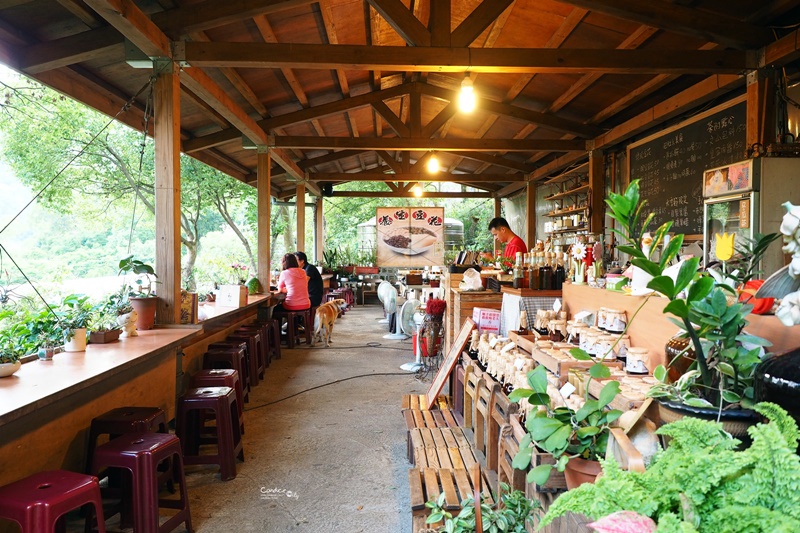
[417,190]
[466,98]
[433,164]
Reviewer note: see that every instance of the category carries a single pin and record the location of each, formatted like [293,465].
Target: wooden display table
[465,301]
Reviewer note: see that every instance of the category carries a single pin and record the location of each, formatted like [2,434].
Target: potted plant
[702,483]
[576,439]
[47,331]
[103,327]
[141,293]
[725,357]
[13,334]
[73,318]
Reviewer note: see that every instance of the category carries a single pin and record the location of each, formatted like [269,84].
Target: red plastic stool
[273,329]
[140,454]
[255,351]
[190,418]
[123,420]
[38,502]
[290,317]
[222,377]
[230,355]
[264,331]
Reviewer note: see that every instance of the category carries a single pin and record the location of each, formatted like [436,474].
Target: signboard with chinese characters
[410,236]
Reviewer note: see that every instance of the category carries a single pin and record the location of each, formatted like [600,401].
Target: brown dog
[324,320]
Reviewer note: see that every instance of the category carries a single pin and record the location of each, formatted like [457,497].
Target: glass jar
[602,318]
[605,348]
[680,355]
[637,360]
[616,320]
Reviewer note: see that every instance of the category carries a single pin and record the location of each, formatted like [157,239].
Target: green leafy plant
[743,266]
[702,484]
[725,366]
[15,335]
[75,313]
[563,431]
[511,514]
[145,277]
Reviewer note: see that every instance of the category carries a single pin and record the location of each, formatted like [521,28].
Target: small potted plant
[141,292]
[103,327]
[48,334]
[73,318]
[12,345]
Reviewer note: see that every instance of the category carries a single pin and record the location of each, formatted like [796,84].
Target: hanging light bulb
[433,164]
[417,190]
[466,99]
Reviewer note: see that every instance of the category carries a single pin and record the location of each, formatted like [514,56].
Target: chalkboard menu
[670,164]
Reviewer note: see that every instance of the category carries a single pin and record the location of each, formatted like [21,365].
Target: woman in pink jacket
[294,282]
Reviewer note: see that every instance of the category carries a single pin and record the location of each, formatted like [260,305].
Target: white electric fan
[386,291]
[406,319]
[398,333]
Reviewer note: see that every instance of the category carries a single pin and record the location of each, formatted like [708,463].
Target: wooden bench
[482,412]
[417,415]
[427,484]
[500,411]
[443,448]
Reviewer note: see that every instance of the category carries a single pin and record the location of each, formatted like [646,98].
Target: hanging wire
[4,250]
[148,110]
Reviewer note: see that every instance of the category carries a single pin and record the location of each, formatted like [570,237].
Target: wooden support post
[761,126]
[167,135]
[597,186]
[530,207]
[300,207]
[264,217]
[319,230]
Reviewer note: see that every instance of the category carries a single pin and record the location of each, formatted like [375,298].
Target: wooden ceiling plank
[209,111]
[713,27]
[69,50]
[406,178]
[495,160]
[267,33]
[131,22]
[391,161]
[495,60]
[476,22]
[447,113]
[439,22]
[422,144]
[330,31]
[415,114]
[402,21]
[409,194]
[393,120]
[542,119]
[305,164]
[378,123]
[215,13]
[79,10]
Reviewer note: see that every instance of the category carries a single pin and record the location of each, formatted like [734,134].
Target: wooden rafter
[393,120]
[213,13]
[403,21]
[426,59]
[477,21]
[327,158]
[68,50]
[409,194]
[713,27]
[423,144]
[394,178]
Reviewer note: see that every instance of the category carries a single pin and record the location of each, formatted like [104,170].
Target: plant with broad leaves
[725,356]
[564,432]
[142,286]
[510,515]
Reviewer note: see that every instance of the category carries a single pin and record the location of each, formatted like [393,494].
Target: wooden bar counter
[46,408]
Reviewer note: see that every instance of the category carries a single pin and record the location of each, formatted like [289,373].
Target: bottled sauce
[545,276]
[533,274]
[559,275]
[518,272]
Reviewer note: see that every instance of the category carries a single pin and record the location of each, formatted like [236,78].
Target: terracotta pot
[734,421]
[579,471]
[146,308]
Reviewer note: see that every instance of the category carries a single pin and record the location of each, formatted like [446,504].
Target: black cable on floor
[329,383]
[373,345]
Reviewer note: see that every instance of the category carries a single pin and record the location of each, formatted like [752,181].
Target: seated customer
[294,283]
[314,279]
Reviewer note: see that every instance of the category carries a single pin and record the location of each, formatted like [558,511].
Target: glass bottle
[533,273]
[559,275]
[545,275]
[518,272]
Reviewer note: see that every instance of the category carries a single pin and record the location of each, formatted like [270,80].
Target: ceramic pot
[579,471]
[78,341]
[146,309]
[777,380]
[46,354]
[734,421]
[6,369]
[104,337]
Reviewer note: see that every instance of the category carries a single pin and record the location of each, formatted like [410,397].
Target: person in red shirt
[502,232]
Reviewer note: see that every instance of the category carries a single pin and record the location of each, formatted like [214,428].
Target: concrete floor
[325,450]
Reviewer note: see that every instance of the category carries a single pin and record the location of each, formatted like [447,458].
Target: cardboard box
[189,307]
[232,296]
[487,320]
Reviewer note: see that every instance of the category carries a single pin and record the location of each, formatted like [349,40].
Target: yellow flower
[724,247]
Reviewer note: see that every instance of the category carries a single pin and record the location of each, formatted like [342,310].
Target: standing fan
[386,291]
[409,324]
[404,321]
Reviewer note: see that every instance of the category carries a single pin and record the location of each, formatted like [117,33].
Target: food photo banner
[410,236]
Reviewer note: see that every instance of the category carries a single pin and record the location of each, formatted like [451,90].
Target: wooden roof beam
[476,22]
[713,27]
[403,21]
[393,120]
[478,60]
[131,22]
[69,50]
[396,167]
[495,160]
[409,194]
[424,145]
[283,158]
[214,13]
[544,120]
[395,178]
[327,158]
[440,119]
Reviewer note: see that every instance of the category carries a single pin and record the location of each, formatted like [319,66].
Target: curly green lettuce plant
[725,365]
[702,483]
[511,515]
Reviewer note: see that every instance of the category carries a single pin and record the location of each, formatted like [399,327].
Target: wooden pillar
[319,230]
[300,205]
[167,118]
[761,126]
[530,218]
[597,187]
[264,217]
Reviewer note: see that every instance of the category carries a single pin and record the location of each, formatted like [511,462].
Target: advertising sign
[410,236]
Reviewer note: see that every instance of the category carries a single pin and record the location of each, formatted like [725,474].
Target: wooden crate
[428,483]
[450,281]
[465,301]
[419,401]
[621,402]
[443,448]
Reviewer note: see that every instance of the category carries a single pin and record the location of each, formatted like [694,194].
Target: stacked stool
[222,377]
[192,408]
[256,349]
[140,454]
[291,321]
[230,354]
[39,502]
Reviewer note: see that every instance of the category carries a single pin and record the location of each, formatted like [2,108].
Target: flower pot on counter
[579,471]
[104,337]
[6,369]
[78,341]
[146,309]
